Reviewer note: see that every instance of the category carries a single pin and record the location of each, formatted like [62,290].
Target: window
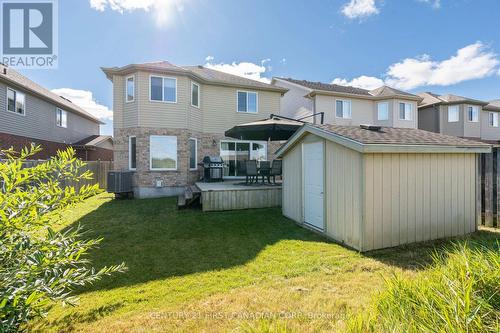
[195,95]
[247,102]
[383,111]
[132,153]
[473,113]
[15,101]
[130,89]
[163,152]
[193,154]
[61,118]
[405,111]
[343,109]
[163,89]
[493,119]
[235,153]
[453,113]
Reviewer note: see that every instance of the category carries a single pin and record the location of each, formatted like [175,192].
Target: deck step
[190,197]
[181,201]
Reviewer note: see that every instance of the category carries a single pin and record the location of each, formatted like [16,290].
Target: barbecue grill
[213,169]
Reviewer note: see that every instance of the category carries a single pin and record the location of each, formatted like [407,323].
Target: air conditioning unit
[120,182]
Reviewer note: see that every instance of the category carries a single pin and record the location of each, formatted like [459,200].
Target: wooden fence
[489,167]
[99,171]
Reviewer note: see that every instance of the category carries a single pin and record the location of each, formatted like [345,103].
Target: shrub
[38,265]
[460,293]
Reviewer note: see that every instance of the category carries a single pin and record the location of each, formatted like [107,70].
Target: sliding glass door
[235,153]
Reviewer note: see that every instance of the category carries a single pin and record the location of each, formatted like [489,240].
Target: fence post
[479,186]
[488,189]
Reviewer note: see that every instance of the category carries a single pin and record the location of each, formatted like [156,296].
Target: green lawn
[215,272]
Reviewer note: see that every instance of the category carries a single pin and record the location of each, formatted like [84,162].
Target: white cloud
[209,58]
[365,82]
[162,10]
[360,8]
[244,69]
[436,4]
[86,101]
[474,61]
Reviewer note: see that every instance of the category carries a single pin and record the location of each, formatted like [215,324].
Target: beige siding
[343,188]
[292,184]
[239,199]
[417,197]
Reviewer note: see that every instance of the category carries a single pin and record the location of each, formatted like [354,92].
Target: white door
[313,184]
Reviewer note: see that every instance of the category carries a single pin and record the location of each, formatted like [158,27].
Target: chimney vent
[373,128]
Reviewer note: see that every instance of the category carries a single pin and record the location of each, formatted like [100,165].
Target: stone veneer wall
[173,181]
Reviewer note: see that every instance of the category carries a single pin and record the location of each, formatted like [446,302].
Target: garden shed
[372,187]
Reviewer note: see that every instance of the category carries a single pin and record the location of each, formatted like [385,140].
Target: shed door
[313,184]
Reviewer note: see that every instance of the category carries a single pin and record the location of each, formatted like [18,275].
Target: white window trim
[7,102]
[412,111]
[378,111]
[458,113]
[195,154]
[489,119]
[176,155]
[256,101]
[162,89]
[243,141]
[350,108]
[478,113]
[126,89]
[199,94]
[62,112]
[130,153]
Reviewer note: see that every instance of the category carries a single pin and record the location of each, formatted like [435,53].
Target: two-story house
[168,117]
[345,105]
[29,113]
[459,116]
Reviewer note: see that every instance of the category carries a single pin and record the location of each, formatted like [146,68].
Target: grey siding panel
[453,128]
[39,121]
[428,119]
[488,132]
[292,184]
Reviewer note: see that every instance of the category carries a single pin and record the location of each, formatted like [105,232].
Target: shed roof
[388,139]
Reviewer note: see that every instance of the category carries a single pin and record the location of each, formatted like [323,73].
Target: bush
[38,265]
[460,293]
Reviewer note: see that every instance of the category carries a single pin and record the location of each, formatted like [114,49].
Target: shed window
[247,102]
[343,109]
[405,111]
[163,152]
[473,113]
[383,111]
[163,89]
[15,101]
[453,114]
[493,119]
[61,118]
[132,153]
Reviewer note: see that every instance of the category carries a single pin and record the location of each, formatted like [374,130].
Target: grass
[240,271]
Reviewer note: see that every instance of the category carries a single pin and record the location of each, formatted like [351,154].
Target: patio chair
[276,169]
[251,172]
[265,170]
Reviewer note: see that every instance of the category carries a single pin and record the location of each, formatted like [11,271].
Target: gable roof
[378,93]
[14,78]
[434,99]
[388,140]
[94,140]
[200,73]
[493,105]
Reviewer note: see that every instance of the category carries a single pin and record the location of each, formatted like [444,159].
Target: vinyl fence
[489,169]
[99,171]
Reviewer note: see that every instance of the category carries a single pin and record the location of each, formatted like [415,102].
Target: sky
[443,46]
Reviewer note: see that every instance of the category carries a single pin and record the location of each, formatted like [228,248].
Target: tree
[38,265]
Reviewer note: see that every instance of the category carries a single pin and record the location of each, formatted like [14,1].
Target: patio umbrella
[274,129]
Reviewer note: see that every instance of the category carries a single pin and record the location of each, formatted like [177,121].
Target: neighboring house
[344,105]
[168,117]
[376,188]
[29,113]
[459,116]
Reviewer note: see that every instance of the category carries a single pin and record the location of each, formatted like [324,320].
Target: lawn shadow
[157,241]
[419,256]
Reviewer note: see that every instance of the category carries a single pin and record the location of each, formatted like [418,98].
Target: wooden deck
[231,195]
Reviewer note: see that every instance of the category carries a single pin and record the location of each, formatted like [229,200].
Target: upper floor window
[195,94]
[132,152]
[453,113]
[473,113]
[16,101]
[163,152]
[163,89]
[493,119]
[247,102]
[343,109]
[405,111]
[61,118]
[130,89]
[383,111]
